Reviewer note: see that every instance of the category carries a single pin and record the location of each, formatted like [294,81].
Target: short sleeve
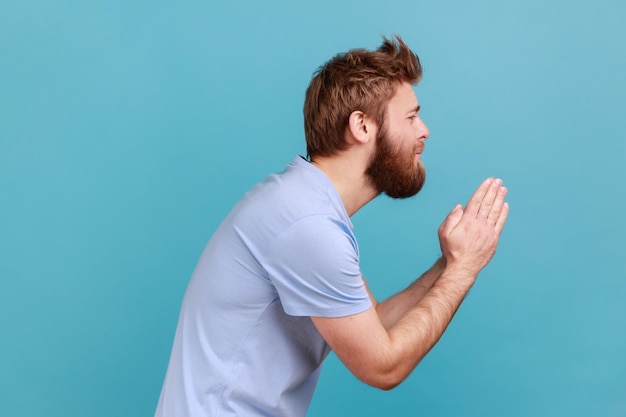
[314,265]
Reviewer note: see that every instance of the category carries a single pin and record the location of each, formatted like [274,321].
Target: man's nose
[422,132]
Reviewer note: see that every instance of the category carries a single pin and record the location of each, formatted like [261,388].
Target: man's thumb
[453,218]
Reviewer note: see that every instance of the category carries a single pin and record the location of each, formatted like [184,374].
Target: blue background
[129,129]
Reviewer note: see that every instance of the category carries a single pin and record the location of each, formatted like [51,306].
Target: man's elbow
[387,385]
[385,380]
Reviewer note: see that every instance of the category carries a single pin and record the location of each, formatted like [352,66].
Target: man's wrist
[458,273]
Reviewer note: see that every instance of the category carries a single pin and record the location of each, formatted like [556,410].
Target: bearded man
[279,285]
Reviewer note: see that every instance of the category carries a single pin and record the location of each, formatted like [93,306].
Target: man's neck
[347,173]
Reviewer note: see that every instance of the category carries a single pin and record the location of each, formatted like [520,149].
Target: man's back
[245,344]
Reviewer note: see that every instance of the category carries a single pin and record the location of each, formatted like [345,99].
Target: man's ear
[361,126]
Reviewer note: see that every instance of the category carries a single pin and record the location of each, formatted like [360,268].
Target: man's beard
[394,171]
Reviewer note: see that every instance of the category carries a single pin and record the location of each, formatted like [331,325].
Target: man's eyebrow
[416,109]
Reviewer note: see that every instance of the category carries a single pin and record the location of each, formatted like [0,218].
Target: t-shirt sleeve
[314,266]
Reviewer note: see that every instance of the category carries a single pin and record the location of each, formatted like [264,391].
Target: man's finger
[494,213]
[473,205]
[489,198]
[502,218]
[451,220]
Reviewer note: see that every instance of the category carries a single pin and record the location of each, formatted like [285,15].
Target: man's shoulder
[301,197]
[300,189]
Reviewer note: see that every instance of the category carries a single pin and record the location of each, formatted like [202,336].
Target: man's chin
[404,195]
[407,190]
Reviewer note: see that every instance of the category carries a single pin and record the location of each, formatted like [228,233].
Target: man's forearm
[394,308]
[384,357]
[420,329]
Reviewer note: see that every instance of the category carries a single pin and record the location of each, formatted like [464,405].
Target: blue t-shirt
[245,344]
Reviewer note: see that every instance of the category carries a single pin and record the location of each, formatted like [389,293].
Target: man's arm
[395,307]
[384,357]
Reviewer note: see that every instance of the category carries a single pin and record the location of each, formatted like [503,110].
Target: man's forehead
[405,96]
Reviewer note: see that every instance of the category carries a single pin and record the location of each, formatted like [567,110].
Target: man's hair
[355,80]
